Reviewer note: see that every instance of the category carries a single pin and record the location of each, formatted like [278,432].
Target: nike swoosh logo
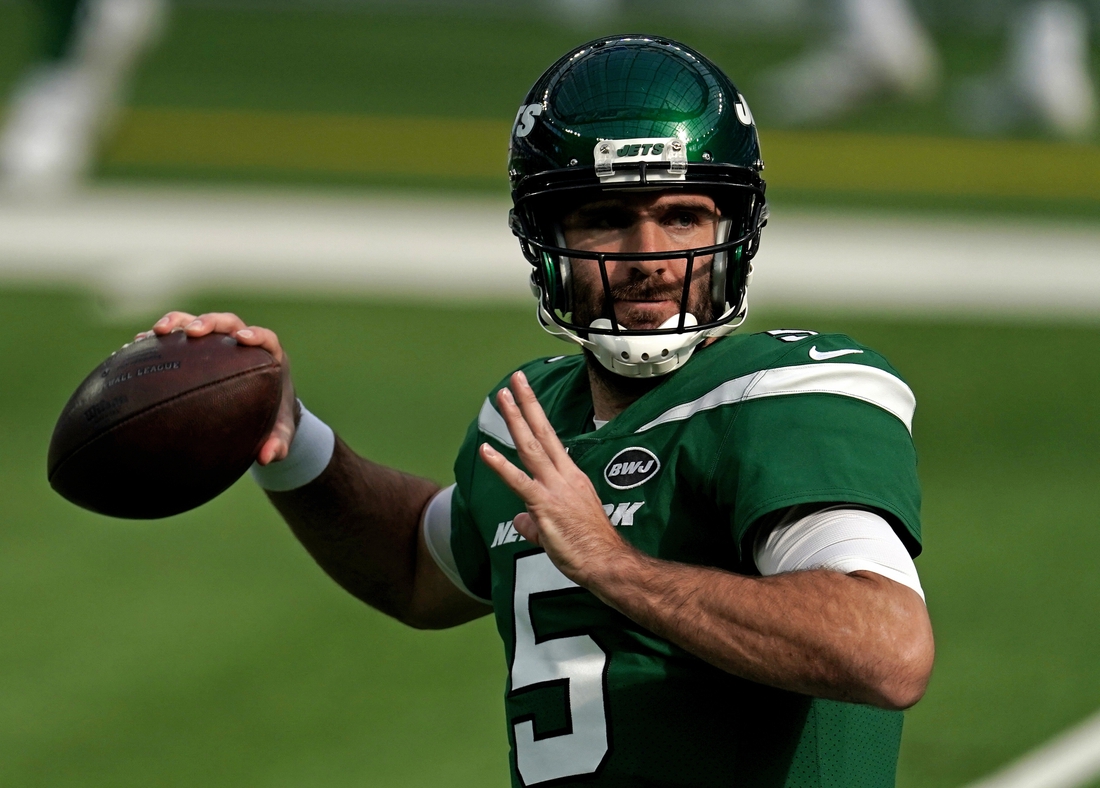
[825,355]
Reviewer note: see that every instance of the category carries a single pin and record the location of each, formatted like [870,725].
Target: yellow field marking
[345,144]
[470,148]
[927,165]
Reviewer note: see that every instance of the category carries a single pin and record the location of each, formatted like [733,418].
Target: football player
[63,105]
[697,545]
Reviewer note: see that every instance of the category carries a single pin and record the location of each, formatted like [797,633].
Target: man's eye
[685,220]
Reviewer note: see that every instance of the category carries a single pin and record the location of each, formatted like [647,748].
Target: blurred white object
[1069,760]
[1045,78]
[58,113]
[142,247]
[47,141]
[882,49]
[1049,66]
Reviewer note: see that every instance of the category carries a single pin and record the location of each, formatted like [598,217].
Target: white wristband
[309,455]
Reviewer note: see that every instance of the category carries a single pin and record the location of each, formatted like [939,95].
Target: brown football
[164,425]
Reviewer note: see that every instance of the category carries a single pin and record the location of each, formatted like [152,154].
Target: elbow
[414,614]
[423,621]
[903,679]
[433,614]
[900,695]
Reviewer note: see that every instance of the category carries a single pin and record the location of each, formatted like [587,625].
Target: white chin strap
[645,356]
[640,355]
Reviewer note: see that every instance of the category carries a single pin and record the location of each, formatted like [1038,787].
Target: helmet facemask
[710,296]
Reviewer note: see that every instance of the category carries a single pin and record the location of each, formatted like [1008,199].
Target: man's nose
[647,236]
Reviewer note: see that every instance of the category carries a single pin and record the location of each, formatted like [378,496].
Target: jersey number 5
[575,660]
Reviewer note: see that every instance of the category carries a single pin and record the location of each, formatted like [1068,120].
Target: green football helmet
[636,112]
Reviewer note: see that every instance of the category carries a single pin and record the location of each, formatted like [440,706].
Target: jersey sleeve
[468,549]
[439,520]
[822,433]
[460,548]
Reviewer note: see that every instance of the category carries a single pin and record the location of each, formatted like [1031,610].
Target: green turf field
[208,650]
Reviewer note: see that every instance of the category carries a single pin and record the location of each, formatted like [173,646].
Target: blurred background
[334,169]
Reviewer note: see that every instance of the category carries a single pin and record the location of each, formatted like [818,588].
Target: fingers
[255,336]
[214,323]
[536,419]
[537,450]
[173,321]
[275,448]
[220,323]
[525,525]
[530,448]
[518,481]
[211,322]
[277,445]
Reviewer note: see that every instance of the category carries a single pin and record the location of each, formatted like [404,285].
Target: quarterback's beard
[589,299]
[589,306]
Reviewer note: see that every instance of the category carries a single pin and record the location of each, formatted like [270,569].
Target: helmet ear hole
[719,270]
[565,273]
[557,275]
[554,271]
[737,277]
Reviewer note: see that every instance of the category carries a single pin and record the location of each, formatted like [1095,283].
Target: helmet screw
[707,156]
[626,355]
[645,357]
[605,149]
[572,162]
[677,145]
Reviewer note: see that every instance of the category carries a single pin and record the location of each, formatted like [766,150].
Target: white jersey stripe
[492,424]
[857,381]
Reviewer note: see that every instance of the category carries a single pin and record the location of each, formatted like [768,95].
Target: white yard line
[143,245]
[1070,760]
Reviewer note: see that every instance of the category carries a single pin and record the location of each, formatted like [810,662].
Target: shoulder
[787,347]
[550,377]
[776,364]
[545,374]
[807,418]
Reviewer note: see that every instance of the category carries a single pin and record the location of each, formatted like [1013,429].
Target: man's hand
[277,445]
[564,514]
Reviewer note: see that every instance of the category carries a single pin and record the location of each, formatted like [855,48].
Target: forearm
[858,637]
[359,520]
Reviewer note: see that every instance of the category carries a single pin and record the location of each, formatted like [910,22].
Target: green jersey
[751,426]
